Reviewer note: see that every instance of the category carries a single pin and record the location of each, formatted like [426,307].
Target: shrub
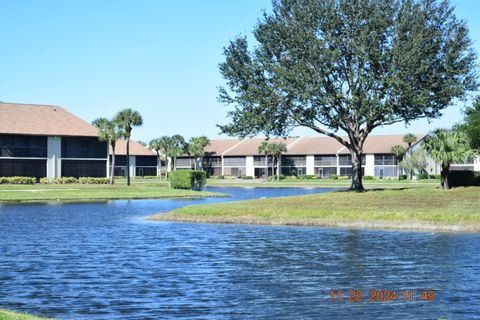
[152,177]
[402,177]
[246,177]
[291,177]
[463,178]
[308,176]
[422,176]
[44,181]
[92,180]
[435,176]
[187,179]
[18,180]
[334,176]
[343,177]
[368,178]
[65,180]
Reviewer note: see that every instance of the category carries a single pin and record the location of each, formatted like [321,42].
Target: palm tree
[264,148]
[126,119]
[165,145]
[447,147]
[277,149]
[177,148]
[398,151]
[196,147]
[111,132]
[156,145]
[409,139]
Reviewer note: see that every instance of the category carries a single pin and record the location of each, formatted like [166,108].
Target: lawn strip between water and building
[85,192]
[425,208]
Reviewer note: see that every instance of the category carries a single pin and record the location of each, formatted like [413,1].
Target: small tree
[398,151]
[447,147]
[416,161]
[277,149]
[471,124]
[156,145]
[177,148]
[126,119]
[111,132]
[196,148]
[264,148]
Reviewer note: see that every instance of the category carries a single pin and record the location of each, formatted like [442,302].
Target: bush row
[71,180]
[18,180]
[187,179]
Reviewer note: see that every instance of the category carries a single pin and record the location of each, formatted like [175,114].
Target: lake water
[103,261]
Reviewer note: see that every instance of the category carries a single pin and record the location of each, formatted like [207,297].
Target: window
[146,161]
[347,171]
[23,146]
[346,160]
[234,161]
[184,162]
[385,159]
[259,161]
[321,161]
[23,168]
[83,147]
[145,171]
[84,168]
[212,162]
[325,171]
[119,160]
[381,172]
[294,161]
[235,172]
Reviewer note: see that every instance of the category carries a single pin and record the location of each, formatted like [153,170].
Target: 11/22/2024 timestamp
[379,295]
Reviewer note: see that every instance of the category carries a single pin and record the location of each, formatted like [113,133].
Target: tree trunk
[112,165]
[357,184]
[278,167]
[266,167]
[444,174]
[128,162]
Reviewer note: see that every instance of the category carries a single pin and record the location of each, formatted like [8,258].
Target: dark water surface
[103,261]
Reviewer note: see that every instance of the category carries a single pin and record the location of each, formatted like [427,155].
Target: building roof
[136,149]
[249,147]
[315,145]
[44,120]
[218,147]
[383,143]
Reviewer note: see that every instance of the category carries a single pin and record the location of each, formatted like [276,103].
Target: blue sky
[158,57]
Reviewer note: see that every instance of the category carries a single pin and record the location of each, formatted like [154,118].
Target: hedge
[18,180]
[91,180]
[368,178]
[65,180]
[246,177]
[402,177]
[463,178]
[187,179]
[308,176]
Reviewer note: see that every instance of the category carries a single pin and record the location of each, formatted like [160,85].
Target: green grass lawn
[412,208]
[9,315]
[84,192]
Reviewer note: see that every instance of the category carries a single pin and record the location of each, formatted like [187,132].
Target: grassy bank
[327,183]
[426,208]
[80,192]
[9,315]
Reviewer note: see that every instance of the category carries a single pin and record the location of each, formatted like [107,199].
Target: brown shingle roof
[217,147]
[315,145]
[32,119]
[136,149]
[249,147]
[383,143]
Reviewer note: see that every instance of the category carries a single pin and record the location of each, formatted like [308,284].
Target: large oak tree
[346,67]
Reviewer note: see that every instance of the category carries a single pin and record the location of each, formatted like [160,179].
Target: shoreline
[320,223]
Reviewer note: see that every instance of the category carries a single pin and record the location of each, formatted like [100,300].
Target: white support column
[132,166]
[54,157]
[338,164]
[476,164]
[223,170]
[310,163]
[250,170]
[370,165]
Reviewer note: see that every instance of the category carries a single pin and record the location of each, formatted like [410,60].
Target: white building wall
[310,163]
[370,165]
[249,168]
[132,166]
[476,164]
[54,157]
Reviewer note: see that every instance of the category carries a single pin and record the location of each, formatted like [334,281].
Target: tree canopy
[196,148]
[345,67]
[471,125]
